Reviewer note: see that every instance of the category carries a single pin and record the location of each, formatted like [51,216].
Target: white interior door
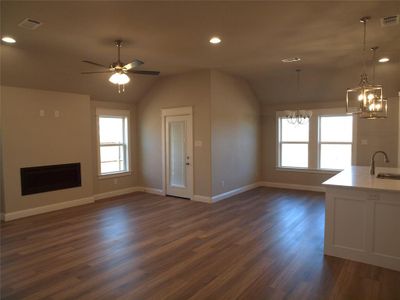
[179,156]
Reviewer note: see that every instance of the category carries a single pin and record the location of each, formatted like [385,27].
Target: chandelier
[298,116]
[366,99]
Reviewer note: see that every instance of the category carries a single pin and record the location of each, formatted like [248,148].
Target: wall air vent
[390,20]
[30,24]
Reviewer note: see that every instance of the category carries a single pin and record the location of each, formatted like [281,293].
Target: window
[335,141]
[324,142]
[113,141]
[293,140]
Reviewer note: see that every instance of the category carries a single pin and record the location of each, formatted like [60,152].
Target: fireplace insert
[50,178]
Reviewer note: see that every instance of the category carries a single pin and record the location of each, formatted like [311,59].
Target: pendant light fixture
[376,107]
[366,98]
[298,116]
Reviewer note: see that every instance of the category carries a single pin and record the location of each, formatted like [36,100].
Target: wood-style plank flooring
[262,244]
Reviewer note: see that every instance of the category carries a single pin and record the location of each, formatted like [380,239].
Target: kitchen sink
[388,176]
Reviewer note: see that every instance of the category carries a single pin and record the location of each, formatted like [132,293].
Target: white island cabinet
[362,217]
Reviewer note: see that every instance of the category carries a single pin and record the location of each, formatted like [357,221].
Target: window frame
[320,143]
[280,142]
[314,151]
[114,113]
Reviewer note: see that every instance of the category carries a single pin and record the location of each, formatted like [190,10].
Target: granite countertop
[359,177]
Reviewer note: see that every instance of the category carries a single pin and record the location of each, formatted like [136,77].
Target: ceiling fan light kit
[366,99]
[119,70]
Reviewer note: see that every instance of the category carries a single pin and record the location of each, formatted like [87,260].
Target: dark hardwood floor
[262,244]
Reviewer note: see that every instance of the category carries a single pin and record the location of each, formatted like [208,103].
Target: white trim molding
[44,209]
[117,193]
[199,198]
[205,199]
[115,113]
[234,192]
[153,191]
[292,186]
[177,111]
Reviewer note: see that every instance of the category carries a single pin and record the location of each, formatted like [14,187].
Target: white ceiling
[172,37]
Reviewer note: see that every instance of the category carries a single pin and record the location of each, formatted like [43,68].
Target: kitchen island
[362,217]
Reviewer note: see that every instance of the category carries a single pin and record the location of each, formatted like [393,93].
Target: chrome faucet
[372,169]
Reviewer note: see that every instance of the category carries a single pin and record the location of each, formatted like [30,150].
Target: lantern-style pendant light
[366,99]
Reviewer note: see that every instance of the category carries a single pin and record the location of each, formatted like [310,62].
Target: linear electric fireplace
[50,178]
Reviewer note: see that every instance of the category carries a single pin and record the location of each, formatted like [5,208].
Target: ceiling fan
[119,70]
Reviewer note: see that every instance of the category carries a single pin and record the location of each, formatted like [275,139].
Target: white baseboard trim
[204,199]
[118,192]
[199,198]
[292,186]
[234,192]
[44,209]
[153,191]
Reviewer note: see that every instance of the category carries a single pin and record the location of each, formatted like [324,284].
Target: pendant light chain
[373,63]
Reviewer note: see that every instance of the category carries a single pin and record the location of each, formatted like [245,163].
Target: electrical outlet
[222,183]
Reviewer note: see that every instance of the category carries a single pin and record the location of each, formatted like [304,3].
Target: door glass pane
[336,129]
[334,156]
[111,130]
[294,155]
[177,152]
[294,132]
[112,159]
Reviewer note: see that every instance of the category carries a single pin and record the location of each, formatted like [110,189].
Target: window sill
[113,175]
[308,170]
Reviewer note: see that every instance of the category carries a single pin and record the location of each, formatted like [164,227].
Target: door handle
[188,164]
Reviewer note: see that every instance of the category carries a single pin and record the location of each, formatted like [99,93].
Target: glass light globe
[119,78]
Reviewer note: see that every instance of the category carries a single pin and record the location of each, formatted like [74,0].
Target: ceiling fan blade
[154,73]
[93,63]
[109,71]
[135,63]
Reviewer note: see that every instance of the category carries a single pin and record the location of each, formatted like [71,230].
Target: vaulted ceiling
[172,37]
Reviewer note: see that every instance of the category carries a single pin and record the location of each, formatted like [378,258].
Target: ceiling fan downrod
[118,44]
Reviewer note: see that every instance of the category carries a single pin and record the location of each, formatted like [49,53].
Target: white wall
[235,133]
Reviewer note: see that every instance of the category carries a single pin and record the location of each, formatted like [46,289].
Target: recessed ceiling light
[215,40]
[8,39]
[291,59]
[383,59]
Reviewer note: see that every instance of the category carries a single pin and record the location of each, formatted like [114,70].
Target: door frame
[173,112]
